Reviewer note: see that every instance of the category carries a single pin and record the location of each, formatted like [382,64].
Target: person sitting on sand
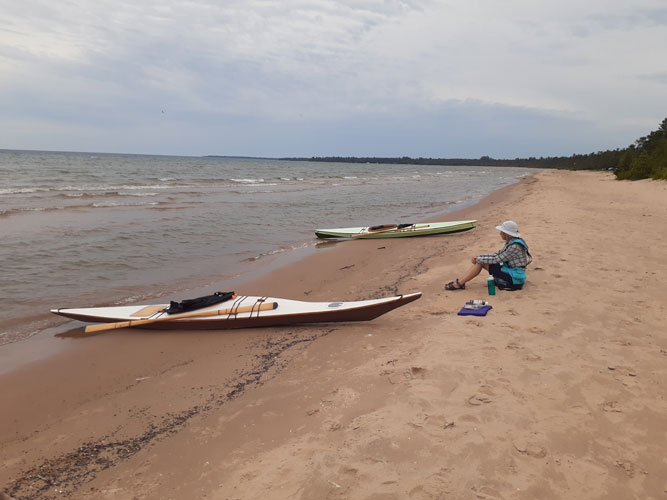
[507,265]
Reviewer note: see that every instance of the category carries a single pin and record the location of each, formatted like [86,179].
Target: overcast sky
[460,78]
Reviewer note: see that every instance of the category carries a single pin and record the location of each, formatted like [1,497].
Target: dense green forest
[646,158]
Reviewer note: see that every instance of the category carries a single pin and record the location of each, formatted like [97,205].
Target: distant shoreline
[599,161]
[235,157]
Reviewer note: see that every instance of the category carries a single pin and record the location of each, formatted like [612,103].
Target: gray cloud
[659,78]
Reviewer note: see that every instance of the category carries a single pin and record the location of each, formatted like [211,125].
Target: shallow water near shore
[84,229]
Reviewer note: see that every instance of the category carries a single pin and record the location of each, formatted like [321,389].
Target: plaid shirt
[512,254]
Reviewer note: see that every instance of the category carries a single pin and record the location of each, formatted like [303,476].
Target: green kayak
[397,230]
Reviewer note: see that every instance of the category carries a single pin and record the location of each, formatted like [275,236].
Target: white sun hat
[509,227]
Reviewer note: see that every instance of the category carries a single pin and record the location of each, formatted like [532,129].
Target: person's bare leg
[472,272]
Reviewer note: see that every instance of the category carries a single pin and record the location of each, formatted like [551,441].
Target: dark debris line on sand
[63,475]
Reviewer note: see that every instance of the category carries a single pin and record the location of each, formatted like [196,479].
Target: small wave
[133,299]
[254,191]
[32,327]
[126,187]
[163,207]
[110,194]
[21,190]
[280,250]
[138,194]
[110,204]
[16,211]
[291,179]
[247,181]
[90,190]
[106,194]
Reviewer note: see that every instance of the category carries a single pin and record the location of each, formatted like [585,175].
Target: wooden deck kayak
[239,312]
[397,230]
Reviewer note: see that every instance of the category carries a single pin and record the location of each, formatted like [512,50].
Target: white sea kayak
[237,312]
[397,230]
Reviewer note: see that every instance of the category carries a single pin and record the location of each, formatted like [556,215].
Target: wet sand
[559,392]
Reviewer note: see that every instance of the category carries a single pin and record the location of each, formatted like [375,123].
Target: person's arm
[489,258]
[504,255]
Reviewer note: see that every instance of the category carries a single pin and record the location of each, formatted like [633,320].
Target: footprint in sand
[478,400]
[624,370]
[415,372]
[611,407]
[529,449]
[486,493]
[627,466]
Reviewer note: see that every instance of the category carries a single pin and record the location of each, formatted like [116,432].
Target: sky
[431,78]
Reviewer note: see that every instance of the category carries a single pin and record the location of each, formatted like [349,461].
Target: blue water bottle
[491,284]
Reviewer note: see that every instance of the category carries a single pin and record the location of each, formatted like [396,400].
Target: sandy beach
[558,393]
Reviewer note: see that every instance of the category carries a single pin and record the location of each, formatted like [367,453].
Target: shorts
[502,279]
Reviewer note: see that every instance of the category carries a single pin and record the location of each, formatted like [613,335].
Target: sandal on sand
[455,285]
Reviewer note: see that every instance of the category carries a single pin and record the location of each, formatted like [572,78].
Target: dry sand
[559,392]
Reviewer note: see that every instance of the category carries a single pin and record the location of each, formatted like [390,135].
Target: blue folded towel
[475,312]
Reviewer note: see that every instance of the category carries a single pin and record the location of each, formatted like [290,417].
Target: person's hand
[474,260]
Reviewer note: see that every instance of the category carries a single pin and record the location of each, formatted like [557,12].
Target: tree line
[646,158]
